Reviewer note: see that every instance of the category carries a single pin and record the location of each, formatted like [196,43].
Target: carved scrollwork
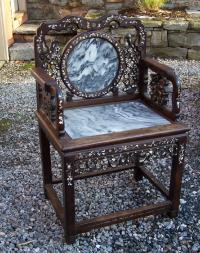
[49,56]
[131,71]
[125,148]
[113,25]
[104,163]
[60,114]
[159,89]
[178,100]
[50,102]
[124,155]
[51,61]
[45,101]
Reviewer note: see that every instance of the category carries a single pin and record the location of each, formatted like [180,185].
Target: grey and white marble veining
[92,64]
[110,118]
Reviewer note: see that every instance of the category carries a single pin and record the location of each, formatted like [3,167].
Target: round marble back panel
[91,65]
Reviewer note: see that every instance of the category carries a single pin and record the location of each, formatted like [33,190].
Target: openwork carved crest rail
[132,46]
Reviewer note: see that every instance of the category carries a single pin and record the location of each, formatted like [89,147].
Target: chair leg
[137,171]
[46,159]
[176,176]
[69,201]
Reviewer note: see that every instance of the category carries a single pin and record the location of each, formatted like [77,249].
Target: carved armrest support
[49,99]
[160,84]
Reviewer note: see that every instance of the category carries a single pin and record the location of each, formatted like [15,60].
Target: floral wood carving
[130,77]
[50,102]
[159,89]
[124,155]
[49,56]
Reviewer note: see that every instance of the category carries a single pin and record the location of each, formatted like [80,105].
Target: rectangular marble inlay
[110,118]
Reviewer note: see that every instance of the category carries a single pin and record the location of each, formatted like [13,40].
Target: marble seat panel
[110,118]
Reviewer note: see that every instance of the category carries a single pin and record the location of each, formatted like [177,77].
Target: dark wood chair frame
[141,143]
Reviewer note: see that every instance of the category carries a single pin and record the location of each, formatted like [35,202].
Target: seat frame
[139,143]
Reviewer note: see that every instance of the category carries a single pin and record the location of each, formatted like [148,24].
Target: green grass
[5,124]
[28,66]
[151,5]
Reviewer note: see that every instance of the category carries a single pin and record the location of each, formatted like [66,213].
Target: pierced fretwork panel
[126,155]
[160,90]
[132,40]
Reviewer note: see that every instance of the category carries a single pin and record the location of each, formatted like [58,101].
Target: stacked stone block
[173,38]
[191,4]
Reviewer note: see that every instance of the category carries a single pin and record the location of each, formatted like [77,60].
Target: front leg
[176,176]
[68,200]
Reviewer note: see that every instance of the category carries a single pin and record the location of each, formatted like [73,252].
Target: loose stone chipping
[28,222]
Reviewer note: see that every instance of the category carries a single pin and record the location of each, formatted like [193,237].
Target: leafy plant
[28,66]
[5,125]
[151,5]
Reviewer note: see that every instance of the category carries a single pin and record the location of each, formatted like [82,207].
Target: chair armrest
[161,69]
[49,99]
[165,71]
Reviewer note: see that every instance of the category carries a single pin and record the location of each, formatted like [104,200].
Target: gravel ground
[28,222]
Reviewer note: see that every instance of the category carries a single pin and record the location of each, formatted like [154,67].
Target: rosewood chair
[100,100]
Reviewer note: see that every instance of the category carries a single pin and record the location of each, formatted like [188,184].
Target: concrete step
[25,32]
[21,51]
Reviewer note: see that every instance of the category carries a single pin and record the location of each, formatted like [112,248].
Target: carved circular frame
[70,46]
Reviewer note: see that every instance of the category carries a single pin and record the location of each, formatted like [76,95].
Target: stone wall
[191,4]
[173,38]
[54,9]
